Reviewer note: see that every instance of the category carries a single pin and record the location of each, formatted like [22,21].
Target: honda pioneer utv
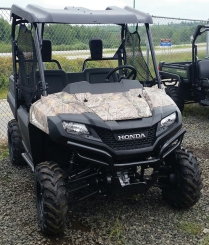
[100,130]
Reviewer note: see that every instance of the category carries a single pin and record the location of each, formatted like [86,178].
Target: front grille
[107,136]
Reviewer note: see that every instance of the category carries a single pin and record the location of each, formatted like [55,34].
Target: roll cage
[37,17]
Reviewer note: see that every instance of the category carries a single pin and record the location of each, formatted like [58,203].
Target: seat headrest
[95,46]
[46,50]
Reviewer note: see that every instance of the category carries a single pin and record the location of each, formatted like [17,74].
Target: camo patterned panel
[52,105]
[157,97]
[38,115]
[116,106]
[136,103]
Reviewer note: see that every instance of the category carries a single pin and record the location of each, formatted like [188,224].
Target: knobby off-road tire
[15,143]
[186,189]
[51,198]
[173,92]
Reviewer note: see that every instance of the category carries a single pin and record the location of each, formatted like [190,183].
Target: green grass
[205,241]
[164,55]
[137,197]
[190,228]
[3,94]
[4,151]
[6,177]
[115,231]
[196,110]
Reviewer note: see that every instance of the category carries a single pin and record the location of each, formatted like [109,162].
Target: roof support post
[149,36]
[39,57]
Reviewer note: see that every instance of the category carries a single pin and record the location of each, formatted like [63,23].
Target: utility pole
[134,4]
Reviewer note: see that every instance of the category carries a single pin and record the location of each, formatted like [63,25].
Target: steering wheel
[132,73]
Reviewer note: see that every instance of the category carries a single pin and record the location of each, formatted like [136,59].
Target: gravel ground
[145,219]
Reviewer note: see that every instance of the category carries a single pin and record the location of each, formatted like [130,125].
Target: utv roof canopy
[78,15]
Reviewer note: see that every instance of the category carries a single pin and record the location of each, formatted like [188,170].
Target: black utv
[100,130]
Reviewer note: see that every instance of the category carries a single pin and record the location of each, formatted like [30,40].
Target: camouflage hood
[133,104]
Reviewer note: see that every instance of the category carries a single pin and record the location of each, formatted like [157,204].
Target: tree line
[76,37]
[178,33]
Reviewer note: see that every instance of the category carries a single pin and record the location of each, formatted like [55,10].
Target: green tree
[60,34]
[5,30]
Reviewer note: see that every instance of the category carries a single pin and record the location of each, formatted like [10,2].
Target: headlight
[75,128]
[167,121]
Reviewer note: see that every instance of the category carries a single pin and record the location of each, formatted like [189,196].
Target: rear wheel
[15,143]
[51,198]
[173,92]
[185,183]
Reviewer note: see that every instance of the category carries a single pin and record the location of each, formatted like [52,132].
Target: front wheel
[185,184]
[51,199]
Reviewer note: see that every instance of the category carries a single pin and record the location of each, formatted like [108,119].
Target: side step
[204,102]
[28,160]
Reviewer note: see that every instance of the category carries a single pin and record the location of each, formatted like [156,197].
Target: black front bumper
[108,159]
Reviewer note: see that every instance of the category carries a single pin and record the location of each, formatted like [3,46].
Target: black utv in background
[101,130]
[192,76]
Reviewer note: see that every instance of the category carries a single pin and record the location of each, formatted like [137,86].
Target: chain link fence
[70,44]
[171,37]
[5,71]
[178,33]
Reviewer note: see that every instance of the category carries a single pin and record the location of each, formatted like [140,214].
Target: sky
[184,9]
